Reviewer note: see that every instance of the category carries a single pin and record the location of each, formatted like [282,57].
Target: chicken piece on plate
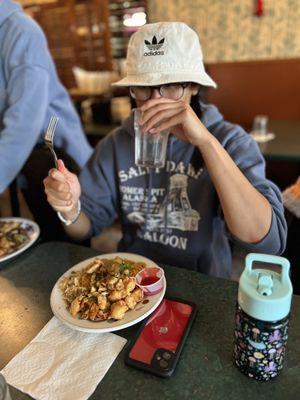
[130,302]
[129,284]
[114,269]
[137,294]
[111,283]
[75,306]
[116,295]
[118,309]
[94,265]
[103,303]
[119,285]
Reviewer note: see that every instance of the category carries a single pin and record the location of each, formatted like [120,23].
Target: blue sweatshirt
[173,215]
[30,93]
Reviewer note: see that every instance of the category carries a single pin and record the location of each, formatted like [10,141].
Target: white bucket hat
[164,52]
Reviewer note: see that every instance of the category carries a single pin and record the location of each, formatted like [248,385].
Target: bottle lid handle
[268,258]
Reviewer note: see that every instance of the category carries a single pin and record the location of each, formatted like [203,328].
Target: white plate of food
[16,235]
[100,294]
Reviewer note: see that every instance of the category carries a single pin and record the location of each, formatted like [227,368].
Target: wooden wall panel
[245,89]
[78,35]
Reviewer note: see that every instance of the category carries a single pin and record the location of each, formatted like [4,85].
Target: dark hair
[197,99]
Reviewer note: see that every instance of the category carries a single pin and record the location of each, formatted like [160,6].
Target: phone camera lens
[166,355]
[163,364]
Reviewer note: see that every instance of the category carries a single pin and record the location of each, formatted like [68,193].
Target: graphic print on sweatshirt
[158,211]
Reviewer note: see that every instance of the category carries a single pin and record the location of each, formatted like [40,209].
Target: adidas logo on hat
[154,46]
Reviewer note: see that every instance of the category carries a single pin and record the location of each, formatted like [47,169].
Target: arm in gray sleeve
[25,102]
[246,154]
[22,120]
[99,186]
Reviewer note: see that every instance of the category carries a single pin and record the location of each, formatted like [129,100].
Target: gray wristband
[70,221]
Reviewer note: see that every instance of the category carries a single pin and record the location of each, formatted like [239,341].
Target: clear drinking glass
[260,125]
[150,149]
[4,390]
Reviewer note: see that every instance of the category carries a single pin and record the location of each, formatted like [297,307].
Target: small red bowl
[150,280]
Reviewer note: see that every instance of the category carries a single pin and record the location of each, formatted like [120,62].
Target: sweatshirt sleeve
[247,156]
[98,182]
[26,100]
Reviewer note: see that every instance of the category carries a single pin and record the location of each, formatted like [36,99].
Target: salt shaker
[262,318]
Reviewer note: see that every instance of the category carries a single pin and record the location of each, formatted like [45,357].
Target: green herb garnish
[125,266]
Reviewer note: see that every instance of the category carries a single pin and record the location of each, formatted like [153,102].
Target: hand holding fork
[49,135]
[66,198]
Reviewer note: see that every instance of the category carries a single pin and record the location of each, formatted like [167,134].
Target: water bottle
[262,318]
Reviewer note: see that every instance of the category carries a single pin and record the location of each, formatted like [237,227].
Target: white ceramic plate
[131,317]
[33,232]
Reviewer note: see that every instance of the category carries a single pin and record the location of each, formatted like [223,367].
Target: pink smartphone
[160,340]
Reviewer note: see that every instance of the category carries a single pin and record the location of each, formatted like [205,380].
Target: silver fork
[49,135]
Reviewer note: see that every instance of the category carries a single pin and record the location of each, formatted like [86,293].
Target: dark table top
[205,370]
[286,144]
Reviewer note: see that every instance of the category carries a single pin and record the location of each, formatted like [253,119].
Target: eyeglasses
[172,91]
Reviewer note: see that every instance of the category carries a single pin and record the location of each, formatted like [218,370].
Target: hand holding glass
[150,148]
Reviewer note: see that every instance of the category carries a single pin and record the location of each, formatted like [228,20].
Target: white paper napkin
[62,364]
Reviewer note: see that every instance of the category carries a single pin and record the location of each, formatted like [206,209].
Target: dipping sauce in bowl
[150,280]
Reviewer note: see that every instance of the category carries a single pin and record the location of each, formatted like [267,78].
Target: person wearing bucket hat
[212,188]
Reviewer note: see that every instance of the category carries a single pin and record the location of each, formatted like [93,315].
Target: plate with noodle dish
[16,235]
[101,294]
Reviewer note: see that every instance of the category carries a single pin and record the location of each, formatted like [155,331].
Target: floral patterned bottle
[262,317]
